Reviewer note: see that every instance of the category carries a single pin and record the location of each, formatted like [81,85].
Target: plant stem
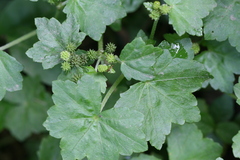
[100,45]
[110,91]
[19,40]
[153,29]
[100,50]
[97,63]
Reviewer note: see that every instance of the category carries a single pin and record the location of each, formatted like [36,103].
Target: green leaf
[54,38]
[145,157]
[4,108]
[10,79]
[222,108]
[223,22]
[187,15]
[31,68]
[136,65]
[84,130]
[221,60]
[237,91]
[176,49]
[94,15]
[49,149]
[187,143]
[131,5]
[185,42]
[165,98]
[226,130]
[207,124]
[236,145]
[29,111]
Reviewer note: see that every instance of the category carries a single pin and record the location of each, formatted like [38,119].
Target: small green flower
[102,68]
[65,55]
[110,48]
[156,5]
[66,66]
[196,48]
[155,14]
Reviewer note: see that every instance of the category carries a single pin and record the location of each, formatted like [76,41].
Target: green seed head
[79,60]
[65,55]
[71,47]
[92,54]
[110,48]
[66,66]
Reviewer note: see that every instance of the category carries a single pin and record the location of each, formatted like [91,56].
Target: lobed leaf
[221,60]
[145,157]
[165,98]
[84,130]
[188,139]
[187,15]
[223,22]
[53,39]
[237,91]
[94,15]
[236,145]
[12,79]
[28,111]
[49,149]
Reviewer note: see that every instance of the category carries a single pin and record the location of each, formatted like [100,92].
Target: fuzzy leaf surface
[28,111]
[166,98]
[189,139]
[84,130]
[53,39]
[94,15]
[222,61]
[11,78]
[225,17]
[236,145]
[187,15]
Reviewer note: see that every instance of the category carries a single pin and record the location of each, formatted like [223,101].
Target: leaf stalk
[153,29]
[19,40]
[110,91]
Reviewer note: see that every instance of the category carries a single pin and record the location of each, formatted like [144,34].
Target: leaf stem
[110,91]
[153,29]
[100,45]
[19,40]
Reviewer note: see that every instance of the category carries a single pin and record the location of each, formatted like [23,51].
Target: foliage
[89,81]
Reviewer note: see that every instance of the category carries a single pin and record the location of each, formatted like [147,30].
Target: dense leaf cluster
[107,102]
